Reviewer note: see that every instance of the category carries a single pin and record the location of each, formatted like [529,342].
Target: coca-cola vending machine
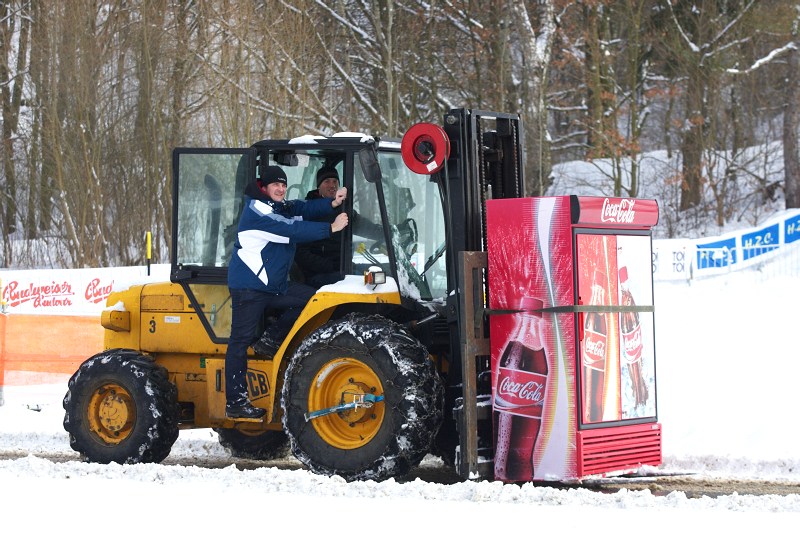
[572,336]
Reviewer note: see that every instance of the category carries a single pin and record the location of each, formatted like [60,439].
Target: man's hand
[340,222]
[341,194]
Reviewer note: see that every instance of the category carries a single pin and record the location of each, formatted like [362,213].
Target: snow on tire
[121,407]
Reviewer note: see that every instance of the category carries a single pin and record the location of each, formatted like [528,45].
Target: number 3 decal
[152,326]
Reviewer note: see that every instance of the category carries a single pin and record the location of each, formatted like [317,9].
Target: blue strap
[362,400]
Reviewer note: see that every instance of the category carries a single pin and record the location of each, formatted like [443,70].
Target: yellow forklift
[380,369]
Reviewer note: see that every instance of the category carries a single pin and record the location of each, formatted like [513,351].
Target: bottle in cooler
[595,343]
[631,330]
[519,395]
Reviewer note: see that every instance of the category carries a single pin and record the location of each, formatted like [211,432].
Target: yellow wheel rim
[341,381]
[111,413]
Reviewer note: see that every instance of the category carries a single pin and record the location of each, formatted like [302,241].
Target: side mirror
[368,156]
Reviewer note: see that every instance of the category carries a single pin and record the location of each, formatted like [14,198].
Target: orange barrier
[36,349]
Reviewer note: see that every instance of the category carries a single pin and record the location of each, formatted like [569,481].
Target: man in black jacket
[319,261]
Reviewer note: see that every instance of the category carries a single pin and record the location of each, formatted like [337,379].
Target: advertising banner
[69,292]
[533,362]
[675,259]
[50,319]
[571,329]
[672,259]
[791,231]
[760,241]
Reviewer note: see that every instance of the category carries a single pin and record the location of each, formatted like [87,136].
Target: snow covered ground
[727,369]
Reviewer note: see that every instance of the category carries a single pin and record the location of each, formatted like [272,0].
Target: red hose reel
[425,147]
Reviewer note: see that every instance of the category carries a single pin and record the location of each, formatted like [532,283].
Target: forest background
[96,94]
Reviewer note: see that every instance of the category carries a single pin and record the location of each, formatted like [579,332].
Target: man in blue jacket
[258,273]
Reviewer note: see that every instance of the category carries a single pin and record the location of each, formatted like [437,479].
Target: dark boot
[246,410]
[266,346]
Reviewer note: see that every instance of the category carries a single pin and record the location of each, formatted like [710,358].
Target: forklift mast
[486,162]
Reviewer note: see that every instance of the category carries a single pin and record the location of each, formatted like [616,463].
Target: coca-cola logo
[53,294]
[530,391]
[520,392]
[96,293]
[594,349]
[633,345]
[618,212]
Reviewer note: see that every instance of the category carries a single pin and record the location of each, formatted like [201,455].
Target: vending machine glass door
[616,352]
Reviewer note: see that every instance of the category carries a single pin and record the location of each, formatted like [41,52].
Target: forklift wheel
[122,408]
[261,445]
[375,363]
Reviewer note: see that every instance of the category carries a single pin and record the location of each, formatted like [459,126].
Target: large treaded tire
[374,443]
[121,407]
[259,445]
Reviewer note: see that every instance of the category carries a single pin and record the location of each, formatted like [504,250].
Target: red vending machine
[572,336]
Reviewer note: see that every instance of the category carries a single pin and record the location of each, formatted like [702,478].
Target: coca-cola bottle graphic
[631,330]
[520,390]
[595,337]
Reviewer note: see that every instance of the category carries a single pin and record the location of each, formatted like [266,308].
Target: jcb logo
[258,383]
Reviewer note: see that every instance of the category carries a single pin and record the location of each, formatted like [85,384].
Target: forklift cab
[405,207]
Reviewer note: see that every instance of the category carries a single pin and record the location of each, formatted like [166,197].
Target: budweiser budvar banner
[75,292]
[599,211]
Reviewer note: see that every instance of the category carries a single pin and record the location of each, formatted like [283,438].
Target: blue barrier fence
[750,248]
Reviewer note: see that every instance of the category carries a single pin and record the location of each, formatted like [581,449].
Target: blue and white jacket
[267,236]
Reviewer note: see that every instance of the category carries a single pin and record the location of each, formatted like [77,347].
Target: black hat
[325,173]
[272,174]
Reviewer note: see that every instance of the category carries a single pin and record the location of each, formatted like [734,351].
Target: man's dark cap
[273,174]
[325,173]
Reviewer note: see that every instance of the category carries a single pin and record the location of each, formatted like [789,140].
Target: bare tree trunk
[383,22]
[39,202]
[8,212]
[791,117]
[11,96]
[179,85]
[598,93]
[149,129]
[693,142]
[537,53]
[637,52]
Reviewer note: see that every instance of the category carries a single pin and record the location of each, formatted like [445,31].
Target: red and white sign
[72,292]
[601,211]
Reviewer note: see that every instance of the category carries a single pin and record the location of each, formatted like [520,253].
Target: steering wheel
[407,236]
[377,247]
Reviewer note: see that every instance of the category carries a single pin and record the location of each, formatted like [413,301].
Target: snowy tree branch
[764,60]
